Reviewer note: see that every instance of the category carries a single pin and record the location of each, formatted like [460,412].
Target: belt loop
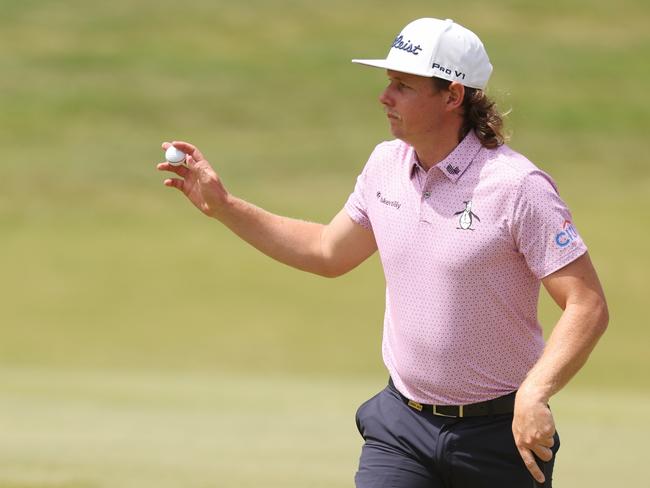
[417,406]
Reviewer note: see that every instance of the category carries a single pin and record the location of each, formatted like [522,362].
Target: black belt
[496,406]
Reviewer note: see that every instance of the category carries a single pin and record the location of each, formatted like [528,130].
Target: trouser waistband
[497,406]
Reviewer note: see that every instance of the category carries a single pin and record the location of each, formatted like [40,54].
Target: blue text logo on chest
[466,217]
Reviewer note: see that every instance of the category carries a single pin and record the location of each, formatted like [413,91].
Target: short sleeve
[543,228]
[356,205]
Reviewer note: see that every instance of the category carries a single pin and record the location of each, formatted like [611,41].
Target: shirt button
[426,195]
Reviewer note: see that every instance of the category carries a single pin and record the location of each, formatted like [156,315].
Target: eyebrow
[395,77]
[399,77]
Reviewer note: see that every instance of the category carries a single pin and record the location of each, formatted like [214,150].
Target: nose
[385,98]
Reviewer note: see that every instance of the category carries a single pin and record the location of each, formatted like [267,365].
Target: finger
[546,442]
[179,169]
[531,465]
[174,183]
[190,161]
[194,164]
[188,149]
[165,145]
[544,453]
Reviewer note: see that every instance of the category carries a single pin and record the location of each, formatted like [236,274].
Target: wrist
[223,207]
[534,392]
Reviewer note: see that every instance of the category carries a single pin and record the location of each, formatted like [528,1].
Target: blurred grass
[104,269]
[78,429]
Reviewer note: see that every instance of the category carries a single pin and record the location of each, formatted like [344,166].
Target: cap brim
[375,63]
[384,63]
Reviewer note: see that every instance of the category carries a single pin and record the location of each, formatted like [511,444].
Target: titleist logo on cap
[407,46]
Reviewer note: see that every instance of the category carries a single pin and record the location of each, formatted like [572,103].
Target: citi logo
[567,235]
[390,203]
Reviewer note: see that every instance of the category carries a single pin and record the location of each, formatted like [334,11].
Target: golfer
[466,229]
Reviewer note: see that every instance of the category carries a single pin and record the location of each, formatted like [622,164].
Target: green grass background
[143,345]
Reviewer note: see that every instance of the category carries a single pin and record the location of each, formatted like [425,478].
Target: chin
[400,135]
[396,133]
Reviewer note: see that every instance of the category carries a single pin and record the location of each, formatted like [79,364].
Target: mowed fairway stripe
[70,429]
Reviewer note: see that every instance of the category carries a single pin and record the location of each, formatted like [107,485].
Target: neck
[433,149]
[430,156]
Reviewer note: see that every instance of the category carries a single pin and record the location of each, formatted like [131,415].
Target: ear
[455,95]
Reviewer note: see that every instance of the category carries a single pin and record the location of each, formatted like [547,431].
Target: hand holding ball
[174,156]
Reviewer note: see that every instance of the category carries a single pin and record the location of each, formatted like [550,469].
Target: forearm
[328,250]
[289,241]
[568,348]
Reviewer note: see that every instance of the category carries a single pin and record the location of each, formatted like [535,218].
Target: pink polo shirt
[463,248]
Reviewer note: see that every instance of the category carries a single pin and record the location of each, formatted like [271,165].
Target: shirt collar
[455,164]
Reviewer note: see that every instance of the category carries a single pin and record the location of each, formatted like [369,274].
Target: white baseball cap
[441,48]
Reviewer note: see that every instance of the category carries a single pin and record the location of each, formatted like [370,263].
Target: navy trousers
[406,448]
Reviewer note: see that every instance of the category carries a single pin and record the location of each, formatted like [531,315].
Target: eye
[399,85]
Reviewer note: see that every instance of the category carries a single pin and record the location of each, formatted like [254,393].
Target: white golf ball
[174,156]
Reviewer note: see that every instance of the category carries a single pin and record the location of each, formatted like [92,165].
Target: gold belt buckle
[439,414]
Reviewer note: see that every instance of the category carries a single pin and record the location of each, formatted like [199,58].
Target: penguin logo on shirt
[466,217]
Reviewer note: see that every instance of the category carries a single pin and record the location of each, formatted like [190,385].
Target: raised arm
[327,250]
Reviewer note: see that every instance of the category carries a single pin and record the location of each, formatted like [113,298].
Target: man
[466,230]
